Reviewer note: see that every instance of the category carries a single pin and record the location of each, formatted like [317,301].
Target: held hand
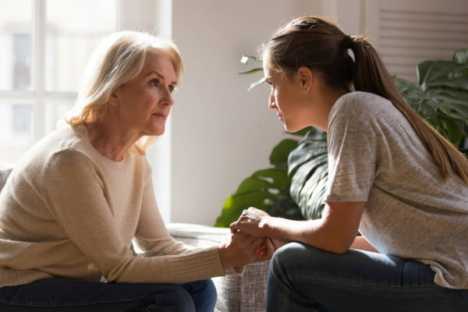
[266,250]
[239,251]
[251,222]
[257,223]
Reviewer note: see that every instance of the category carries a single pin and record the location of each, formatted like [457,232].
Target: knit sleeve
[152,236]
[76,195]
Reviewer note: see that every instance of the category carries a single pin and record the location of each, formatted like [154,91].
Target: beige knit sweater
[68,211]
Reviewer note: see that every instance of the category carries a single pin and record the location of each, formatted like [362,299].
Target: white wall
[220,133]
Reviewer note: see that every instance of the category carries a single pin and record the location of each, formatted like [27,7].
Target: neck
[327,99]
[110,140]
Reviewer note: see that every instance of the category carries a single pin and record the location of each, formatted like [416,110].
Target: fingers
[247,225]
[256,211]
[265,252]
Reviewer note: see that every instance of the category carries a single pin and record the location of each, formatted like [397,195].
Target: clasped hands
[250,239]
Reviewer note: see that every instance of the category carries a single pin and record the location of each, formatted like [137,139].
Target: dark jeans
[68,295]
[303,278]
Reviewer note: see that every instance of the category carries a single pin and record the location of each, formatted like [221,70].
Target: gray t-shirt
[376,157]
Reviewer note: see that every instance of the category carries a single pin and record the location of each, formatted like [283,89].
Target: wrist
[225,256]
[267,227]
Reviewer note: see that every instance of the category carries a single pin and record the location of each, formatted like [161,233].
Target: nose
[167,99]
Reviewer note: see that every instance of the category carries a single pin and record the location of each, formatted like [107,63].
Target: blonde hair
[119,58]
[320,45]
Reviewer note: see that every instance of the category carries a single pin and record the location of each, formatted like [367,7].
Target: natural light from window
[45,47]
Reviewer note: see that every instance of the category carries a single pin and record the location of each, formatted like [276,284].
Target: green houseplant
[295,185]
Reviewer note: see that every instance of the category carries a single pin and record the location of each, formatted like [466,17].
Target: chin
[290,128]
[294,128]
[155,131]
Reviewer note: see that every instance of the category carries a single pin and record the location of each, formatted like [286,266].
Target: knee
[298,257]
[183,301]
[205,295]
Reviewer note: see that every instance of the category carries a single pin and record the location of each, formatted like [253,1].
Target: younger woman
[391,176]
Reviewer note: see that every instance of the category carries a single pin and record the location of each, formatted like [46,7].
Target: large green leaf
[442,74]
[308,167]
[266,189]
[280,153]
[441,96]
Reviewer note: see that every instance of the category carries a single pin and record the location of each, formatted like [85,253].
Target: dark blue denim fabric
[68,295]
[304,278]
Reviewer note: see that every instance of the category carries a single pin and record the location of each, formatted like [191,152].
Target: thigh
[60,294]
[203,294]
[361,280]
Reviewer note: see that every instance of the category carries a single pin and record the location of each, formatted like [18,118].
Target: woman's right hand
[240,250]
[257,221]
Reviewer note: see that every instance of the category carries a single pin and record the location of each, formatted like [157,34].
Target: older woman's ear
[114,97]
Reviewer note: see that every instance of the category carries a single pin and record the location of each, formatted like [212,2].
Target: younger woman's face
[286,99]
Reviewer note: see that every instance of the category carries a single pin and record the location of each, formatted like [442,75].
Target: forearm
[311,232]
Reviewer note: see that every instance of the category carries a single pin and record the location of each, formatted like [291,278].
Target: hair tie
[347,45]
[347,42]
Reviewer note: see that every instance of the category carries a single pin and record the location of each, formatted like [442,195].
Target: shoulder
[359,105]
[56,144]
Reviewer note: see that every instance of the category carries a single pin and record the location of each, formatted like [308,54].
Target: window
[409,32]
[45,46]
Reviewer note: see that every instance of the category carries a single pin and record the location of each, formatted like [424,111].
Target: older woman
[76,201]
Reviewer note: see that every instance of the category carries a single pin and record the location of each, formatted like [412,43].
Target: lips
[160,115]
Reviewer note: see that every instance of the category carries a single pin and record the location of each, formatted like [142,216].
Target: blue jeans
[304,278]
[68,295]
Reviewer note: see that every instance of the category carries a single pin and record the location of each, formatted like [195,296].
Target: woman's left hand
[258,223]
[252,222]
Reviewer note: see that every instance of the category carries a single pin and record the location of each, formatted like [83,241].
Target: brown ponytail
[322,46]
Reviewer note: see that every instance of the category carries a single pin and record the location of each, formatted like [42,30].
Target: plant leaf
[251,71]
[280,153]
[308,167]
[461,56]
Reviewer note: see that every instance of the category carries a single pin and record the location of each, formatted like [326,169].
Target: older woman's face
[145,102]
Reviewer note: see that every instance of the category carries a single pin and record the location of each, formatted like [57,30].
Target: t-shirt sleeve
[352,155]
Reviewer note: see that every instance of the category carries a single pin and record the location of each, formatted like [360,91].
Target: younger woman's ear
[305,76]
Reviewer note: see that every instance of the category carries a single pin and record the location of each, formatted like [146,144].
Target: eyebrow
[159,75]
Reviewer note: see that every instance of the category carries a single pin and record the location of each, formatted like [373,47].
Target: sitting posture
[77,200]
[391,177]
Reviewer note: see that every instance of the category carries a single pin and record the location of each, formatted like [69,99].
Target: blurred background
[219,132]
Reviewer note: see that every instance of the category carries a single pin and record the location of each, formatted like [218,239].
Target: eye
[172,88]
[155,82]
